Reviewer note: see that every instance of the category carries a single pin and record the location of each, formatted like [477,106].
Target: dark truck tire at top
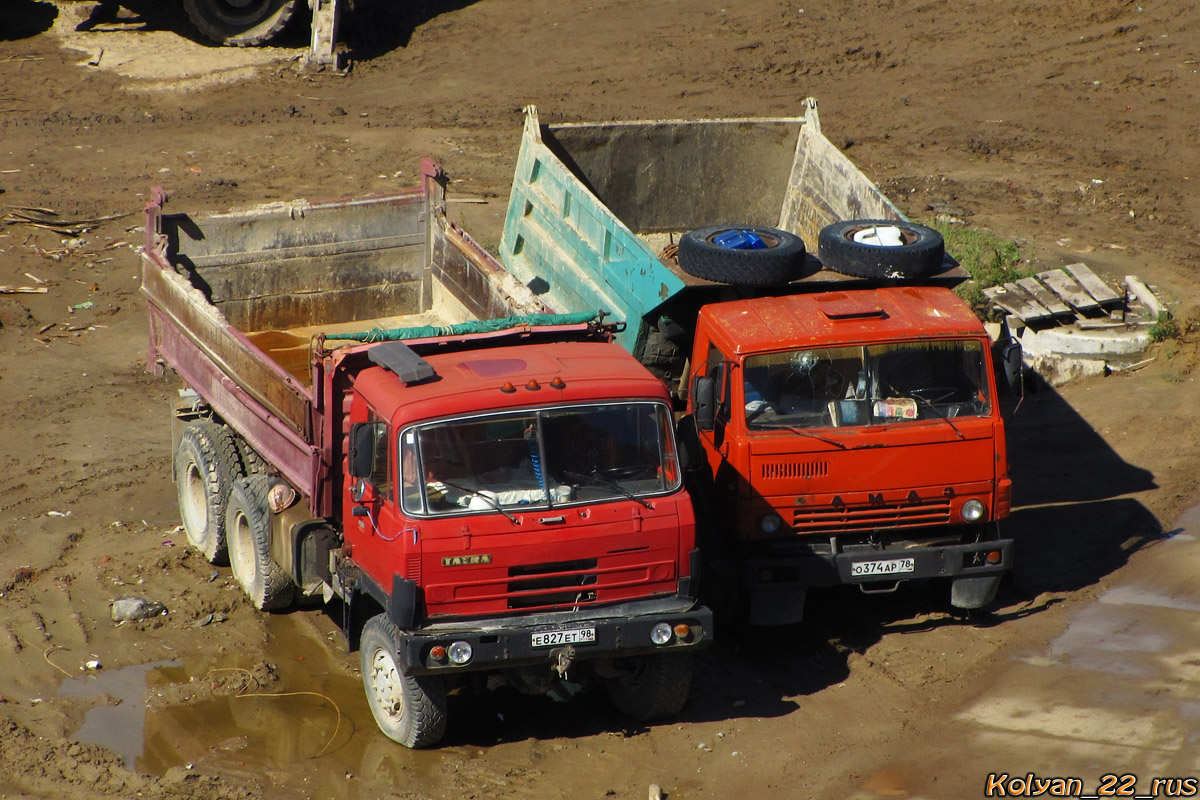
[780,261]
[919,254]
[240,23]
[206,465]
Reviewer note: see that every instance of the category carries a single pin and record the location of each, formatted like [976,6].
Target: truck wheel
[719,254]
[206,465]
[409,709]
[248,530]
[855,247]
[657,686]
[240,23]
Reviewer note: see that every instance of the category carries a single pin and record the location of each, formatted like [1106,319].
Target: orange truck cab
[850,437]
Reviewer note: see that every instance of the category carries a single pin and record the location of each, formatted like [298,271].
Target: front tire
[409,709]
[248,531]
[240,23]
[206,465]
[655,686]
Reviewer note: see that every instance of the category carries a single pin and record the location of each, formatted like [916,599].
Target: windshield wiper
[803,432]
[607,483]
[493,502]
[939,414]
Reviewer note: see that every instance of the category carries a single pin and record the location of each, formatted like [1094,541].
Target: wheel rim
[194,496]
[907,237]
[241,550]
[387,691]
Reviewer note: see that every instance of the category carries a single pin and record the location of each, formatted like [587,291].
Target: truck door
[378,535]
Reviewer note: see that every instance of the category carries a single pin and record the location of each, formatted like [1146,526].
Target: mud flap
[783,606]
[975,592]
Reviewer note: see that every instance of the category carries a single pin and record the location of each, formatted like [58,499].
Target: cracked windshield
[539,458]
[866,385]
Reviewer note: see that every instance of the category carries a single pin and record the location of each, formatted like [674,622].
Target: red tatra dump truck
[501,497]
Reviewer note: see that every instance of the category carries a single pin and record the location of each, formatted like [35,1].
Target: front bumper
[815,570]
[509,643]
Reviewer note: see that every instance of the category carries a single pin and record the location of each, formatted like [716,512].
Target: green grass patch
[1164,327]
[988,259]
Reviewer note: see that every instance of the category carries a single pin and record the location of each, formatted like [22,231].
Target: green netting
[476,326]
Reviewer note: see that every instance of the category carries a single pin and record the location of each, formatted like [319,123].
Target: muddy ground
[1068,125]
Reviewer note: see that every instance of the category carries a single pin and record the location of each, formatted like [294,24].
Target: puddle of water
[1136,595]
[120,727]
[311,727]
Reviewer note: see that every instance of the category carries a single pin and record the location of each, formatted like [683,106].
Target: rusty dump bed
[235,300]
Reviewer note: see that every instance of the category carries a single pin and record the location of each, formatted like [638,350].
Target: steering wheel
[934,394]
[626,472]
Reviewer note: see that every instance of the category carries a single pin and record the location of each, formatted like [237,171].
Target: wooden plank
[1097,288]
[1065,287]
[1145,295]
[1046,297]
[1015,304]
[1016,291]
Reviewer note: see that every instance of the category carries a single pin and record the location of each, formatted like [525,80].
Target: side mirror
[704,402]
[362,450]
[688,440]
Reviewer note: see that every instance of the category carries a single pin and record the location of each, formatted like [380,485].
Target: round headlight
[770,523]
[460,652]
[661,633]
[972,510]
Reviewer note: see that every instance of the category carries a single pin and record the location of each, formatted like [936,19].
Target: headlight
[972,510]
[460,652]
[770,523]
[661,633]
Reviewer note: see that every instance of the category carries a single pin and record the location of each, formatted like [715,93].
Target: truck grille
[866,517]
[552,584]
[795,469]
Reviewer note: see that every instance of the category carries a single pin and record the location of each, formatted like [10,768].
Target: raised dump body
[854,437]
[239,300]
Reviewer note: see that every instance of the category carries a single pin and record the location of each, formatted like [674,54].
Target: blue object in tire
[739,239]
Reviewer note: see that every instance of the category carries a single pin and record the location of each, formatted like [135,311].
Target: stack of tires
[756,256]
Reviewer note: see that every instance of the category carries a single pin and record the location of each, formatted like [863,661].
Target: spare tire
[742,254]
[880,248]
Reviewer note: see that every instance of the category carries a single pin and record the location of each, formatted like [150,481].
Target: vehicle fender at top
[781,261]
[241,23]
[919,253]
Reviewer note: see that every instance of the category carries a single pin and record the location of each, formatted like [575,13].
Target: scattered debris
[656,792]
[93,664]
[47,218]
[1072,324]
[23,290]
[58,513]
[82,306]
[131,607]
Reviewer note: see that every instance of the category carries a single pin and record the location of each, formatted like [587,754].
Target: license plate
[554,638]
[892,566]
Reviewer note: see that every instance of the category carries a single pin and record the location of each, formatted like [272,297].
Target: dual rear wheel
[222,494]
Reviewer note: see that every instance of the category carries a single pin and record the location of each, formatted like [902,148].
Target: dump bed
[594,206]
[236,302]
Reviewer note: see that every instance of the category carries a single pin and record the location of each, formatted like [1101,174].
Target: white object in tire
[880,236]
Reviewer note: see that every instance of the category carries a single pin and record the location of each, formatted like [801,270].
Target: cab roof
[841,317]
[474,380]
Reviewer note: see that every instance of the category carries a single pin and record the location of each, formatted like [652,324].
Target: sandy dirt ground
[1068,125]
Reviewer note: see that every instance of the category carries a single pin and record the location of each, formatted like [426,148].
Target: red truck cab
[517,509]
[851,437]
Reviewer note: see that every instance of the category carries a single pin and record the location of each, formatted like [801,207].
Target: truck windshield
[866,385]
[539,458]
